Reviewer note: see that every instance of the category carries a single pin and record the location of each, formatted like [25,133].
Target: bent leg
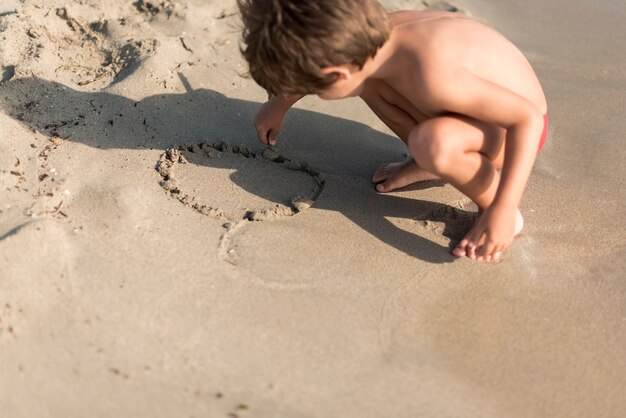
[460,150]
[466,153]
[402,118]
[388,106]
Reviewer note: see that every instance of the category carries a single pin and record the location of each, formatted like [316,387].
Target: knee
[434,145]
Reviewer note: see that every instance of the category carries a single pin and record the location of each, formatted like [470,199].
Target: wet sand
[155,260]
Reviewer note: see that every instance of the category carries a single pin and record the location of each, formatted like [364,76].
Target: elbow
[536,118]
[525,132]
[536,124]
[531,120]
[531,127]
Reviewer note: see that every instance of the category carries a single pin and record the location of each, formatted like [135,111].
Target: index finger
[263,136]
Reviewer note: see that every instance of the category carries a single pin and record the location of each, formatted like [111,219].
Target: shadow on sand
[334,146]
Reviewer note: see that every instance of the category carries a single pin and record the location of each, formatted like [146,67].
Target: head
[310,47]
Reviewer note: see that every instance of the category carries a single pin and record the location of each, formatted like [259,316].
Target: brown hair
[288,42]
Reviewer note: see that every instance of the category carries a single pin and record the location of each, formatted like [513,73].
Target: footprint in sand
[451,221]
[87,52]
[241,184]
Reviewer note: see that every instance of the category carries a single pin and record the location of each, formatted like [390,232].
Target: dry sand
[229,282]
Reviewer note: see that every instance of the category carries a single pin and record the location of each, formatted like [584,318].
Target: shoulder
[403,16]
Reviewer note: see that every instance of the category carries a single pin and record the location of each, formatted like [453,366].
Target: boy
[463,98]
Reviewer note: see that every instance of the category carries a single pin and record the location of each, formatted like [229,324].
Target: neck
[378,67]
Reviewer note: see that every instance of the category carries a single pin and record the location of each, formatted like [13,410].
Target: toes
[476,242]
[383,187]
[381,174]
[461,249]
[388,185]
[379,177]
[471,251]
[487,249]
[491,258]
[485,258]
[458,252]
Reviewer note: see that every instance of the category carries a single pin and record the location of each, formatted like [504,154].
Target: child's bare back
[463,98]
[438,47]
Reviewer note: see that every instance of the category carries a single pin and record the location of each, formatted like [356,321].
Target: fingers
[270,118]
[267,136]
[272,136]
[263,135]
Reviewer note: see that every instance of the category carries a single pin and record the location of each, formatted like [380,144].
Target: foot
[463,249]
[392,176]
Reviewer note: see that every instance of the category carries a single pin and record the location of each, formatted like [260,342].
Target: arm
[491,103]
[271,117]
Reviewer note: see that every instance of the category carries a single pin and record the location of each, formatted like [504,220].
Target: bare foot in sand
[392,176]
[463,249]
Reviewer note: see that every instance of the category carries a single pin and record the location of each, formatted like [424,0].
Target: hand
[269,121]
[490,236]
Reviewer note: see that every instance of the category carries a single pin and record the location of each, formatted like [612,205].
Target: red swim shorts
[544,135]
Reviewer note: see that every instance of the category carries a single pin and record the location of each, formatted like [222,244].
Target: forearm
[522,141]
[284,102]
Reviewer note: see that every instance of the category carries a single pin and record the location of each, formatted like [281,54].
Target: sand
[156,260]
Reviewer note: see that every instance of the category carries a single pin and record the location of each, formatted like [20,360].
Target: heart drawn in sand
[245,184]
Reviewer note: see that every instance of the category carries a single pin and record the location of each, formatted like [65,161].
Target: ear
[342,71]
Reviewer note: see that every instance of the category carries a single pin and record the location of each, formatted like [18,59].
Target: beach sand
[156,261]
